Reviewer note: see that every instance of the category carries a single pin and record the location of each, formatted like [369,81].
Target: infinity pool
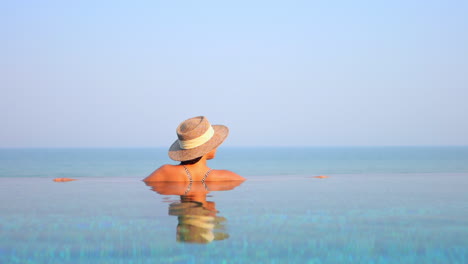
[376,218]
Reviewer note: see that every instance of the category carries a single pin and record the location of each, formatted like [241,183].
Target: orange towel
[63,179]
[321,177]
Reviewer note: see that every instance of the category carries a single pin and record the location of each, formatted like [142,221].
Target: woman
[197,142]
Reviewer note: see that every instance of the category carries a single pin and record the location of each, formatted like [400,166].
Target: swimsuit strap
[206,175]
[188,188]
[191,179]
[206,186]
[188,174]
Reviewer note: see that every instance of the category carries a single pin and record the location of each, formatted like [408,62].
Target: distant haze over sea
[247,161]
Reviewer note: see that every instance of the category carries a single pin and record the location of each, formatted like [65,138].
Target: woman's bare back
[177,173]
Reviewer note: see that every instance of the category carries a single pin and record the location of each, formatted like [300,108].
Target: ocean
[266,161]
[378,205]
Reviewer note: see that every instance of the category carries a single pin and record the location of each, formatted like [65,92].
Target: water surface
[379,205]
[245,161]
[396,218]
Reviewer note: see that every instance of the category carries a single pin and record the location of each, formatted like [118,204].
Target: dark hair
[192,161]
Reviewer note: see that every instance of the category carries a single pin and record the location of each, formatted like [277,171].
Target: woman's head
[208,156]
[211,154]
[197,138]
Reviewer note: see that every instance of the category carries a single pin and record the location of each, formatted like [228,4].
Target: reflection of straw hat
[196,223]
[196,137]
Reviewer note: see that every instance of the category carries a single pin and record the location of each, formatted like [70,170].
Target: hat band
[196,142]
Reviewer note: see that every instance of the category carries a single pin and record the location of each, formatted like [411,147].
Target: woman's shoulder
[164,173]
[174,173]
[224,175]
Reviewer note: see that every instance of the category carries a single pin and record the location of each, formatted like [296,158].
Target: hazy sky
[315,73]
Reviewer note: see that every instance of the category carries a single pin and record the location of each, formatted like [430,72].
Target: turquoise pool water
[347,218]
[379,205]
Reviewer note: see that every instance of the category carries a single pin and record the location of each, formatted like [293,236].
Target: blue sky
[278,73]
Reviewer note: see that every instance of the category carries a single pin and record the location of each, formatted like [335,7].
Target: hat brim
[220,134]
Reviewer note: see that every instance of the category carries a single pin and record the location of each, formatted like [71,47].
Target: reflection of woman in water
[197,143]
[198,221]
[192,179]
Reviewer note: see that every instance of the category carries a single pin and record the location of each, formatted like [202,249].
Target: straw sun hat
[196,137]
